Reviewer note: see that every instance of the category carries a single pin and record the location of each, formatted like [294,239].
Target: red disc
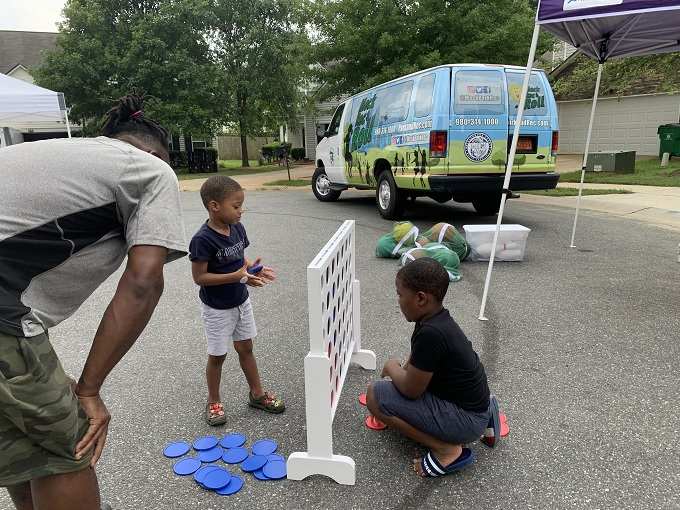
[362,399]
[373,423]
[505,430]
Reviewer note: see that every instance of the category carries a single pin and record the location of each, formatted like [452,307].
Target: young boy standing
[440,397]
[219,266]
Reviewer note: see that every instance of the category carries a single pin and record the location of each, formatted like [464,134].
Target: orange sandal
[214,414]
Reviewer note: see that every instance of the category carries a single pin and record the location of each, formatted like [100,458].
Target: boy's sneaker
[492,435]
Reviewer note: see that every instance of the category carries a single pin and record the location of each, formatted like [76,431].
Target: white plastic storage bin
[512,242]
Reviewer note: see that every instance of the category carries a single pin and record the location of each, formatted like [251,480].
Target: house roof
[24,48]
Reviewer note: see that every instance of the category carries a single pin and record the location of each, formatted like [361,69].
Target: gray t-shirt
[70,210]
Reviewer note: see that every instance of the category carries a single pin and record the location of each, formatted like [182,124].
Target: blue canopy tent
[603,30]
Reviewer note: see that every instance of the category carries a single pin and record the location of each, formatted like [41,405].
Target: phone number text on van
[476,121]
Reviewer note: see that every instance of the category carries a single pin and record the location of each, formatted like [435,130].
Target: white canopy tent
[601,29]
[26,106]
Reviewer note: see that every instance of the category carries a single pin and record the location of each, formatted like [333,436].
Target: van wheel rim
[323,185]
[384,195]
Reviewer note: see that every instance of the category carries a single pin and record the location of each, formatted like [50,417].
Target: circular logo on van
[478,147]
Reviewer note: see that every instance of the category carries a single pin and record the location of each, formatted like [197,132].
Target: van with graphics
[443,133]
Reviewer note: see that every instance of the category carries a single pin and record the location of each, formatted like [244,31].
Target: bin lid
[492,228]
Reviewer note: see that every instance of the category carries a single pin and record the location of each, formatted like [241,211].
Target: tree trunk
[244,146]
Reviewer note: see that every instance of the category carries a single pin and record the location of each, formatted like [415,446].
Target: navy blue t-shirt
[224,254]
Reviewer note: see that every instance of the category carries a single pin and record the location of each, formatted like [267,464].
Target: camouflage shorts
[40,418]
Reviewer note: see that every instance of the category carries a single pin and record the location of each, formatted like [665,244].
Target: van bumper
[475,184]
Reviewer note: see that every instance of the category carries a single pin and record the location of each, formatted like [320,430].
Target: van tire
[389,199]
[321,186]
[488,205]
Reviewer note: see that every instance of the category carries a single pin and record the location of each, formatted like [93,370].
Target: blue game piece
[176,449]
[233,441]
[253,463]
[274,457]
[217,479]
[199,475]
[235,485]
[186,466]
[275,470]
[211,455]
[235,455]
[264,447]
[259,474]
[205,443]
[255,269]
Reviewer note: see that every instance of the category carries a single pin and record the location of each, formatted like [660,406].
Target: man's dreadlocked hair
[127,116]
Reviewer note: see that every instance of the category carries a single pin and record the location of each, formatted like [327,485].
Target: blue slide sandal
[432,468]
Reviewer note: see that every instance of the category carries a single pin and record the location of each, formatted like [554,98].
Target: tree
[261,48]
[108,48]
[361,43]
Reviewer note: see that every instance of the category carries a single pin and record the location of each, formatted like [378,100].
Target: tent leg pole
[585,153]
[68,124]
[508,167]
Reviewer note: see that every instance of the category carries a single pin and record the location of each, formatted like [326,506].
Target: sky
[30,15]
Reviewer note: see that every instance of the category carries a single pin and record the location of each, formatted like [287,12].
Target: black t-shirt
[438,345]
[224,254]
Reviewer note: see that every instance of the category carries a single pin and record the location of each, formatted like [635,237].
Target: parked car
[444,133]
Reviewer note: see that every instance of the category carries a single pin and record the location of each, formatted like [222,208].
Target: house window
[198,144]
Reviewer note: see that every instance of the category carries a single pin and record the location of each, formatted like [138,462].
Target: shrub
[298,153]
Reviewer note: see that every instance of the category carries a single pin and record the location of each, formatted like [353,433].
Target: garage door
[627,123]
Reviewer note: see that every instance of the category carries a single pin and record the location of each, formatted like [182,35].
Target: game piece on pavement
[505,429]
[275,456]
[217,479]
[235,485]
[233,440]
[186,466]
[211,455]
[253,463]
[176,449]
[204,470]
[235,455]
[259,474]
[205,443]
[275,470]
[374,423]
[264,447]
[362,399]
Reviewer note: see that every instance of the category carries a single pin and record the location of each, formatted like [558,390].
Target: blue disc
[275,470]
[274,457]
[200,474]
[216,479]
[235,455]
[259,474]
[205,443]
[264,447]
[210,455]
[186,466]
[235,485]
[253,463]
[176,449]
[233,441]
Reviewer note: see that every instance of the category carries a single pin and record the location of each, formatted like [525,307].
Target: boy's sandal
[432,468]
[492,436]
[214,414]
[267,402]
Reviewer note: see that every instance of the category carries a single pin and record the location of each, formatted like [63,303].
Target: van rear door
[536,135]
[478,124]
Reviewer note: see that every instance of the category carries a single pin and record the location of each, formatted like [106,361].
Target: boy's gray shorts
[439,418]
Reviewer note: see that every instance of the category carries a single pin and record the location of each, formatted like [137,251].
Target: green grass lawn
[286,182]
[183,175]
[573,192]
[235,163]
[648,172]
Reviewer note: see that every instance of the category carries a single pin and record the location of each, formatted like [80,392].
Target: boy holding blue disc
[439,398]
[220,268]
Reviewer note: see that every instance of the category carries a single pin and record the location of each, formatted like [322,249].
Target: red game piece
[373,423]
[505,430]
[362,399]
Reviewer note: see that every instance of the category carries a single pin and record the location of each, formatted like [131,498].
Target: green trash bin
[669,139]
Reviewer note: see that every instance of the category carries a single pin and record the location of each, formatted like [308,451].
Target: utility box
[669,139]
[621,162]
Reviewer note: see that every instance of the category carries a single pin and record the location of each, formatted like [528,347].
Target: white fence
[333,295]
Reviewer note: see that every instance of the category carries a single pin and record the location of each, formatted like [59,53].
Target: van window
[535,104]
[334,127]
[478,93]
[393,102]
[423,103]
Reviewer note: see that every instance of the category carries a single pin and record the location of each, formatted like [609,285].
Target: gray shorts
[222,327]
[438,418]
